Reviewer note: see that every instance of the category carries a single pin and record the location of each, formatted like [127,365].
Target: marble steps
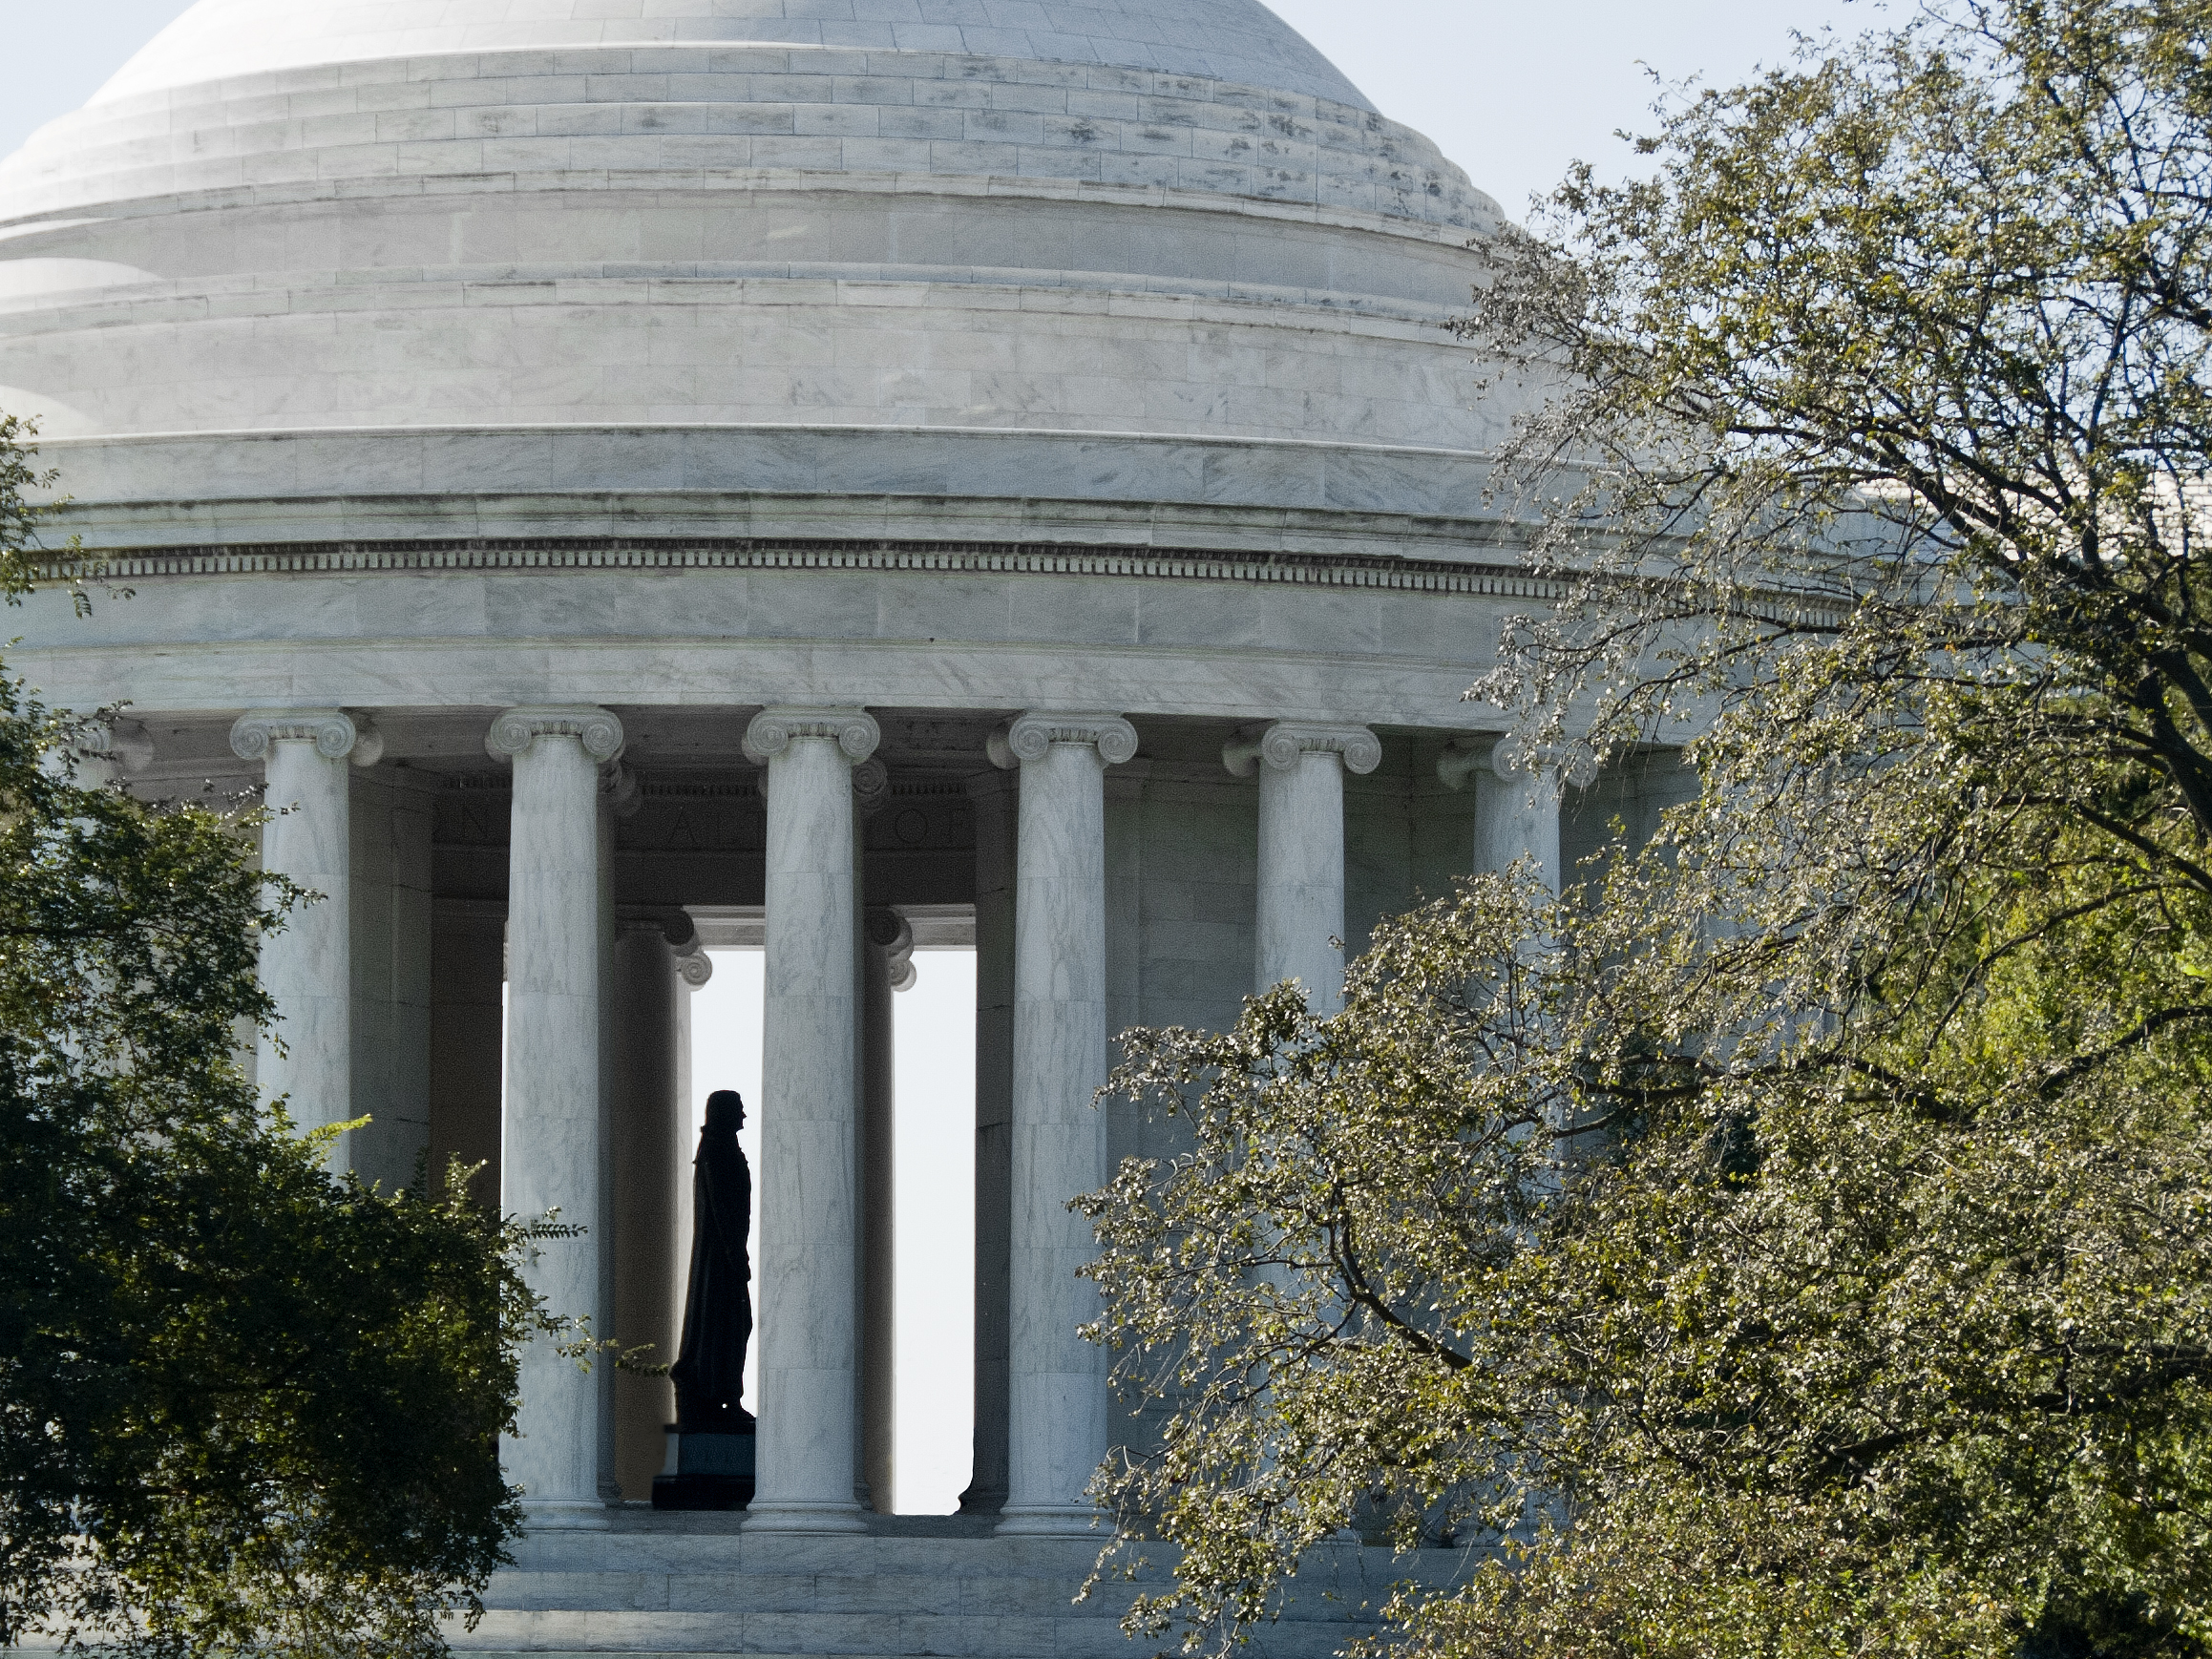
[657,1591]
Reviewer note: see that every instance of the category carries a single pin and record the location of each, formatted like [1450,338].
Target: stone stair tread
[705,1595]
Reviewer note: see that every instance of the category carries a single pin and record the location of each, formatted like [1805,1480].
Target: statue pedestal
[705,1471]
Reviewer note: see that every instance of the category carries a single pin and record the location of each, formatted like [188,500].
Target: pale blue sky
[1511,91]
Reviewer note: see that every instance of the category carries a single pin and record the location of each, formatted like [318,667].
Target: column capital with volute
[1030,737]
[772,731]
[892,934]
[337,736]
[621,789]
[1282,745]
[871,786]
[1551,763]
[596,731]
[1463,760]
[119,745]
[693,965]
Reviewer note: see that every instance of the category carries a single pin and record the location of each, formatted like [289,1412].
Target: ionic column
[1300,912]
[810,1088]
[306,967]
[103,751]
[551,1139]
[1056,1427]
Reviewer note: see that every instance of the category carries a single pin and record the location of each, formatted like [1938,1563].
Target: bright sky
[1512,91]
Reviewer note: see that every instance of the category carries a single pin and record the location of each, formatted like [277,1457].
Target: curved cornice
[563,486]
[623,113]
[149,299]
[688,184]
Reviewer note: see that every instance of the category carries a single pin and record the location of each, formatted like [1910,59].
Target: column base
[563,1514]
[1047,1521]
[803,1517]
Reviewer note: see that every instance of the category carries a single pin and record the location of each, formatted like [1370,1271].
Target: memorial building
[632,476]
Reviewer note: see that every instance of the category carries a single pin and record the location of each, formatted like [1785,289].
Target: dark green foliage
[1793,1241]
[245,1407]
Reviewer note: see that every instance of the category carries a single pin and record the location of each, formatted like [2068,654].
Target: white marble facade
[987,465]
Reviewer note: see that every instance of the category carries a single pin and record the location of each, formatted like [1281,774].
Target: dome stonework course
[282,217]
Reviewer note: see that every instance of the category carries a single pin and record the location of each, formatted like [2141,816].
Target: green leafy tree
[1792,1240]
[245,1407]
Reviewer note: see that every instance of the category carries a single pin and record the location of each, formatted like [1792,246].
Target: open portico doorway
[934,1118]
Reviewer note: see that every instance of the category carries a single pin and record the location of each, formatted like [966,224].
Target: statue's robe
[709,1368]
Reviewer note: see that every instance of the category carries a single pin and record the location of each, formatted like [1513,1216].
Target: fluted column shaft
[1300,911]
[1058,1409]
[306,967]
[550,1152]
[808,1180]
[1517,814]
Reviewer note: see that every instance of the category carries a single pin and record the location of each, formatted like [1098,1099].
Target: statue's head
[725,1112]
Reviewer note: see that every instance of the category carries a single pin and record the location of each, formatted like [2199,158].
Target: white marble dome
[383,274]
[476,213]
[1231,40]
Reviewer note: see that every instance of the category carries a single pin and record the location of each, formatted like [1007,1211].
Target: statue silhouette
[709,1368]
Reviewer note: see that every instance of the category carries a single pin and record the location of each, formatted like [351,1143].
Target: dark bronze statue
[709,1368]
